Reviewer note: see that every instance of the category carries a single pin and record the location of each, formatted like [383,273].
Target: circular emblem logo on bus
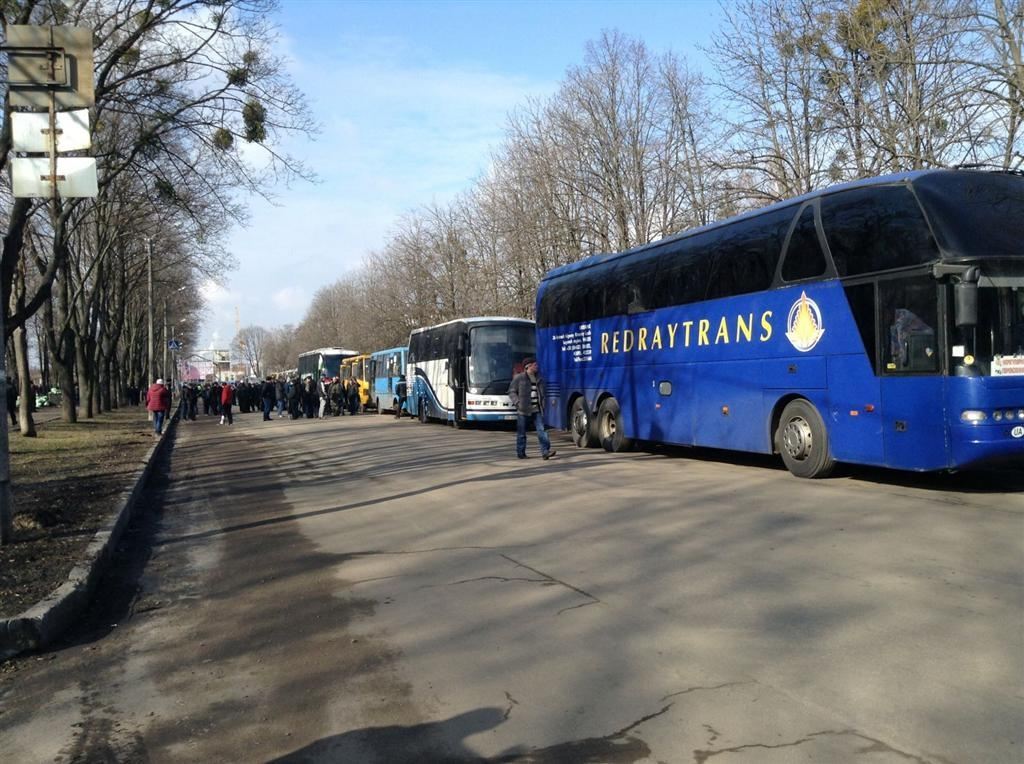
[803,325]
[1017,432]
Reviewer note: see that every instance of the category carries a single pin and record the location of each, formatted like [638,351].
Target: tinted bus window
[909,314]
[873,229]
[862,304]
[975,213]
[804,258]
[747,254]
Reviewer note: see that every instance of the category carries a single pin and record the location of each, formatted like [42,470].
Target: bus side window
[804,257]
[909,316]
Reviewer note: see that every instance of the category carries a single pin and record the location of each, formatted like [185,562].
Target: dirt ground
[66,482]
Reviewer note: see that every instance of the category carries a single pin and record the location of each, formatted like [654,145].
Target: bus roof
[476,320]
[330,351]
[389,350]
[901,177]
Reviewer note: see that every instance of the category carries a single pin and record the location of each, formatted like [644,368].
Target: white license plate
[511,418]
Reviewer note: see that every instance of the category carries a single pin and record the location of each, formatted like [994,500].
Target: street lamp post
[150,362]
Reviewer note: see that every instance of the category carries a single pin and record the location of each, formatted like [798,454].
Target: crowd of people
[292,397]
[333,396]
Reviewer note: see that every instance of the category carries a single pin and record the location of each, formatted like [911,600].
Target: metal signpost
[49,77]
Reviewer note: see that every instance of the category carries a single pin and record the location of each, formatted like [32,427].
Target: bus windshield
[332,365]
[495,351]
[975,213]
[997,342]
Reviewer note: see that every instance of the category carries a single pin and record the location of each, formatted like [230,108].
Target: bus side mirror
[966,295]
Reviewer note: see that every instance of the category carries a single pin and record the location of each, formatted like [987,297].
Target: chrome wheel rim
[797,440]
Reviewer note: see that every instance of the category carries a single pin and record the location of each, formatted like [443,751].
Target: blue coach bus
[878,322]
[386,366]
[460,371]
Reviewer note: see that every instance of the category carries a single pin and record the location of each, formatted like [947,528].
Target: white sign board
[76,176]
[30,131]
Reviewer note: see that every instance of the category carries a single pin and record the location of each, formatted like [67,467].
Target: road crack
[876,746]
[548,579]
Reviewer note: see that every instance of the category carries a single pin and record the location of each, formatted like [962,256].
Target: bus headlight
[972,416]
[1020,413]
[997,416]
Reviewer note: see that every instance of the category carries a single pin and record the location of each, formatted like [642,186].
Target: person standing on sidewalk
[527,394]
[158,400]
[227,397]
[267,396]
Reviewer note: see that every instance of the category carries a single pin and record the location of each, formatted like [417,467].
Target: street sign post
[50,69]
[173,345]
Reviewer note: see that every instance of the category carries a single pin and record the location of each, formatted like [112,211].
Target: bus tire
[609,427]
[423,412]
[581,424]
[802,440]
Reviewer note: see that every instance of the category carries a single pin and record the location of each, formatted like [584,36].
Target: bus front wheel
[579,425]
[609,427]
[802,440]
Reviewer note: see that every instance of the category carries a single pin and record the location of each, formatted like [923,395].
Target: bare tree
[251,344]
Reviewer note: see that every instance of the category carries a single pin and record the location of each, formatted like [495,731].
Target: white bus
[323,362]
[460,371]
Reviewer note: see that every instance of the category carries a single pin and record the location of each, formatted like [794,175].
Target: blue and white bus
[323,362]
[878,322]
[460,371]
[385,367]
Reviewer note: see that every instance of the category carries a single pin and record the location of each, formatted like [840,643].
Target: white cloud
[289,299]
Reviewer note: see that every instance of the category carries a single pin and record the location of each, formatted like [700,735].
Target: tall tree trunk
[28,394]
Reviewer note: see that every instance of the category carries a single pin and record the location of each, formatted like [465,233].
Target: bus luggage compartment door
[913,423]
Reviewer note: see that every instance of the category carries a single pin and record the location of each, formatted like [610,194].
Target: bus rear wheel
[580,425]
[609,427]
[802,440]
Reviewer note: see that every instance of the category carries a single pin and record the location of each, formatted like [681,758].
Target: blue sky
[411,96]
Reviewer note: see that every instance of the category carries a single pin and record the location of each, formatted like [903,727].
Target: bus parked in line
[459,371]
[356,368]
[386,366]
[878,322]
[323,362]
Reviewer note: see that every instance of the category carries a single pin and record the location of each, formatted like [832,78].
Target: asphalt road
[366,590]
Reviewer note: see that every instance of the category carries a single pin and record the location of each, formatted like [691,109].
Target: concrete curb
[40,625]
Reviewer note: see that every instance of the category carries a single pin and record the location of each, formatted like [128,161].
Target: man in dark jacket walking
[527,394]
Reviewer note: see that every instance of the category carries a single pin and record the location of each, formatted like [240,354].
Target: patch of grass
[66,483]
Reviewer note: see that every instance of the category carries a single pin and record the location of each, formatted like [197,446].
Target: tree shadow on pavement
[443,743]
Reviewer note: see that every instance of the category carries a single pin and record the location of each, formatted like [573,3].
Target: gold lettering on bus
[702,332]
[723,332]
[643,339]
[743,328]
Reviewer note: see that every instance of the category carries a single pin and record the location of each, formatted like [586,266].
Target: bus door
[854,416]
[913,398]
[457,378]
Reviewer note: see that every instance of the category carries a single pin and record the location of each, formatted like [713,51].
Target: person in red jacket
[227,397]
[158,400]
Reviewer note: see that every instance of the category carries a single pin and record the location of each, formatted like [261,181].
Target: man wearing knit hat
[527,394]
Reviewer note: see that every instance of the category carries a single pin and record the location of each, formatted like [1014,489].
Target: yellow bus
[356,368]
